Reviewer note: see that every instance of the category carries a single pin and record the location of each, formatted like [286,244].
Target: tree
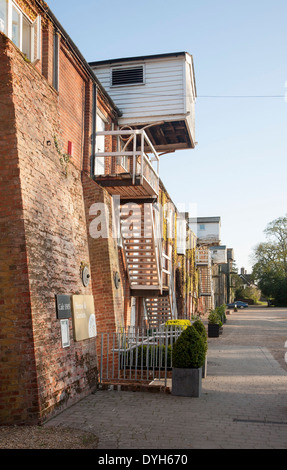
[248,293]
[270,268]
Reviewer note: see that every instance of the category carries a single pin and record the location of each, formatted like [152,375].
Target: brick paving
[243,403]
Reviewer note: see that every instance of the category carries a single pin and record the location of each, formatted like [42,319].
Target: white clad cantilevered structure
[155,92]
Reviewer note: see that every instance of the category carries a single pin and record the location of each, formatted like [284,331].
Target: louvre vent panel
[127,76]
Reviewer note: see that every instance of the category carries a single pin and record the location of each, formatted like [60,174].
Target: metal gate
[137,355]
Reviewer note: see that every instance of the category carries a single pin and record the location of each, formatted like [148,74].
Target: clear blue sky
[239,169]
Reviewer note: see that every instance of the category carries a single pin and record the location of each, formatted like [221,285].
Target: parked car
[238,304]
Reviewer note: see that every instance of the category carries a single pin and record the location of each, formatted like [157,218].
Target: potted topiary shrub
[188,355]
[200,328]
[214,324]
[221,312]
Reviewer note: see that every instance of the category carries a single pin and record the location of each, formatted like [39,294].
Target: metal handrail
[145,160]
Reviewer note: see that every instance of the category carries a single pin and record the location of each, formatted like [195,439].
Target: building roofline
[206,219]
[138,58]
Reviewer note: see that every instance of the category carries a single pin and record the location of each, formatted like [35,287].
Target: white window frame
[35,49]
[100,145]
[56,65]
[125,163]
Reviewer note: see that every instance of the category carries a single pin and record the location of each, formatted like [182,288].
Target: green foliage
[149,356]
[200,328]
[221,311]
[252,293]
[189,350]
[217,316]
[64,157]
[213,318]
[270,267]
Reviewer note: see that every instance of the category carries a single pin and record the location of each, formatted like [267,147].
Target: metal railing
[205,281]
[137,355]
[134,155]
[203,257]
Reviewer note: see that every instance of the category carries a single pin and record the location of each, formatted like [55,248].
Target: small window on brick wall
[56,61]
[25,34]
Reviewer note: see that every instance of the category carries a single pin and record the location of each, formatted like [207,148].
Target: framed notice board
[84,319]
[63,306]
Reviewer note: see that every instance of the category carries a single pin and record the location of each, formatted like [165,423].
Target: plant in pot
[200,328]
[188,356]
[221,312]
[214,324]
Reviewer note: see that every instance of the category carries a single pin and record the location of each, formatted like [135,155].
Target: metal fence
[137,355]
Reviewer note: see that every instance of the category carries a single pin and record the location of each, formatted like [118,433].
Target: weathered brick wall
[50,224]
[74,102]
[109,301]
[18,383]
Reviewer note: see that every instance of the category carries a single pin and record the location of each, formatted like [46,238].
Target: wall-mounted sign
[63,306]
[65,333]
[85,276]
[84,318]
[117,280]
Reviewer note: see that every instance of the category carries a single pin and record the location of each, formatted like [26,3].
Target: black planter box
[213,330]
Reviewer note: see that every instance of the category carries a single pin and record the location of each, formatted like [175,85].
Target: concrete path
[243,403]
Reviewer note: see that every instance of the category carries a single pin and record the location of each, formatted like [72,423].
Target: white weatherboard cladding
[209,232]
[219,254]
[162,96]
[190,94]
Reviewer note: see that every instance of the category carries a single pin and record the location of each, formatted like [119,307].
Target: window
[202,227]
[56,62]
[25,34]
[100,147]
[128,76]
[125,163]
[16,26]
[3,16]
[26,37]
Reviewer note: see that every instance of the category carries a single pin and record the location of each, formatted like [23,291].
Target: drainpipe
[94,117]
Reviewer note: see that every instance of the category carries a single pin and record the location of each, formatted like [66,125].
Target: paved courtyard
[243,403]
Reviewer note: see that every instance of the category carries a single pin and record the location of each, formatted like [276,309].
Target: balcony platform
[127,164]
[123,185]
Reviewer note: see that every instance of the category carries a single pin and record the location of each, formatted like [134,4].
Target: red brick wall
[44,234]
[45,222]
[74,102]
[109,301]
[18,384]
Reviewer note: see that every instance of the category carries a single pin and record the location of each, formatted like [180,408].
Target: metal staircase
[158,310]
[142,247]
[162,308]
[204,264]
[148,266]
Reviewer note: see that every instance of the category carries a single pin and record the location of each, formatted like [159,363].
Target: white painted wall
[219,254]
[168,92]
[210,233]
